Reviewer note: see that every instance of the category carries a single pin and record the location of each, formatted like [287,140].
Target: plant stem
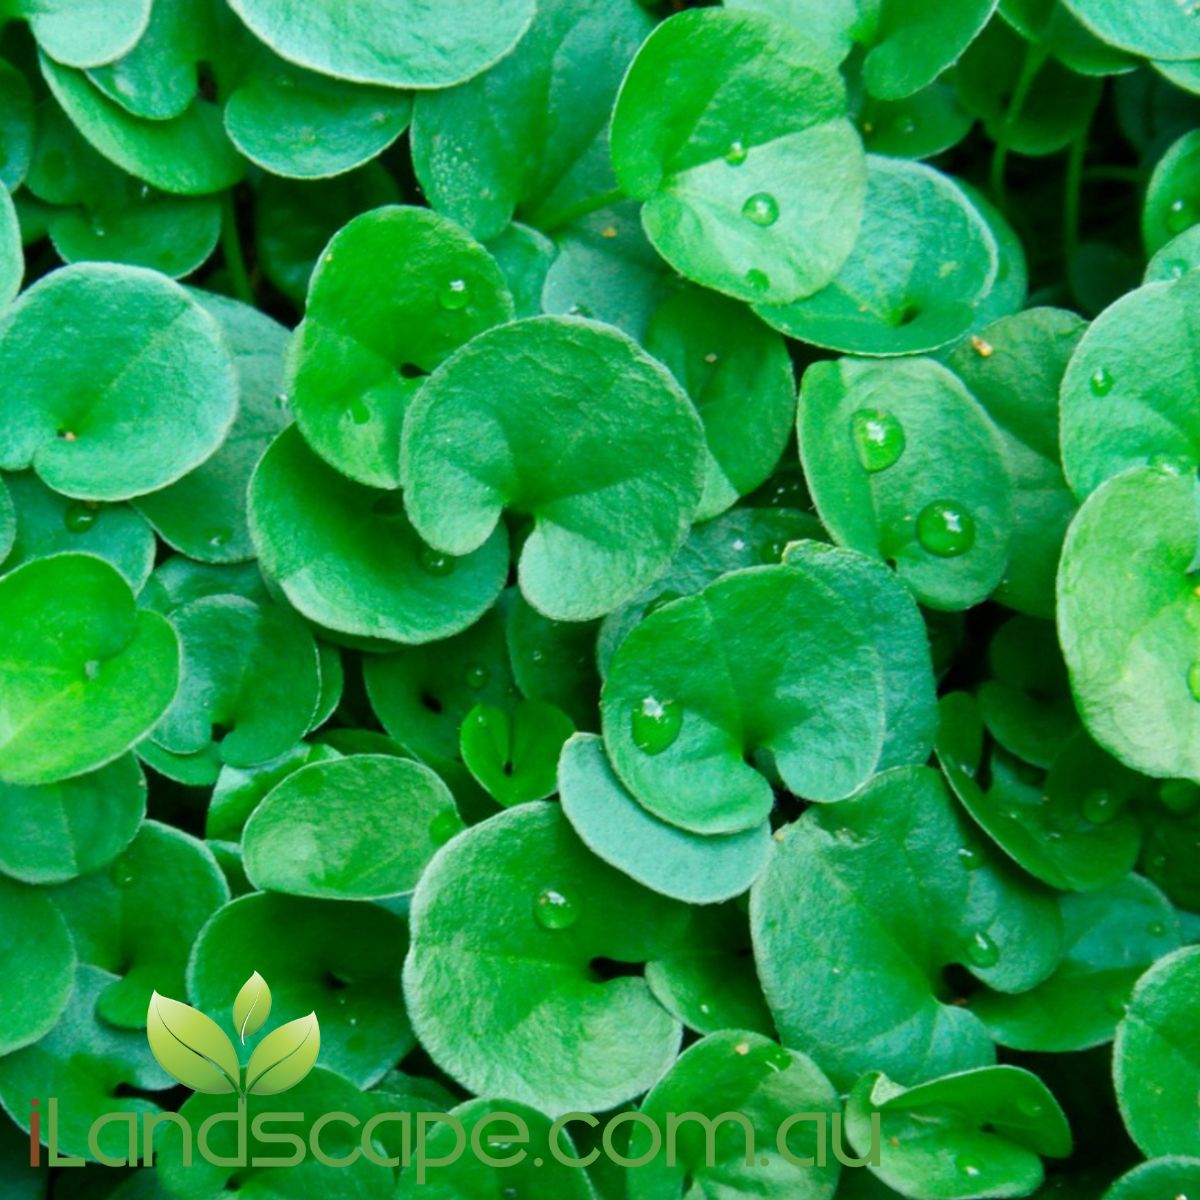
[1032,63]
[235,260]
[556,219]
[1132,175]
[1073,188]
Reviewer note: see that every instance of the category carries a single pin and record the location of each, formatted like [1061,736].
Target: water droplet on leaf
[435,563]
[555,908]
[1100,807]
[1181,215]
[946,529]
[970,858]
[878,439]
[762,209]
[455,295]
[757,279]
[81,515]
[736,154]
[656,724]
[982,950]
[477,676]
[1101,382]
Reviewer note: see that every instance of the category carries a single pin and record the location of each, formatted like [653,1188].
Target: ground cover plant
[588,556]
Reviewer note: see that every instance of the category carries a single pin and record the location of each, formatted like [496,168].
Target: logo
[196,1051]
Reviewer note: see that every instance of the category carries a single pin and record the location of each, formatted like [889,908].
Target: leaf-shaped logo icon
[284,1057]
[191,1047]
[252,1006]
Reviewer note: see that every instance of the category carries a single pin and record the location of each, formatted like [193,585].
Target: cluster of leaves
[651,566]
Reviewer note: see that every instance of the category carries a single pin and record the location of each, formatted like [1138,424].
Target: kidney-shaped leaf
[393,294]
[83,674]
[147,393]
[1168,1176]
[357,828]
[611,492]
[512,919]
[346,556]
[752,176]
[1128,609]
[745,667]
[1144,27]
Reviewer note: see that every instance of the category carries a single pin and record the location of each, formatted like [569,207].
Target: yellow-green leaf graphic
[191,1047]
[284,1057]
[252,1006]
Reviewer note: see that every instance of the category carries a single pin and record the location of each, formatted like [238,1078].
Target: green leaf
[511,918]
[976,1133]
[57,831]
[248,685]
[351,375]
[418,46]
[738,375]
[239,790]
[1142,27]
[530,1168]
[41,963]
[905,465]
[83,674]
[12,257]
[923,264]
[896,879]
[691,867]
[338,959]
[138,919]
[284,1057]
[357,828]
[251,1006]
[1159,1177]
[544,146]
[100,1068]
[203,515]
[147,394]
[755,1085]
[84,33]
[751,174]
[48,524]
[189,156]
[682,736]
[1014,368]
[1051,24]
[191,1047]
[1155,1064]
[1131,650]
[1173,196]
[513,753]
[17,126]
[611,496]
[922,125]
[346,557]
[1175,259]
[1111,937]
[1124,394]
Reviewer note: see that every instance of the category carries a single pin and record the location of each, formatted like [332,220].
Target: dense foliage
[630,557]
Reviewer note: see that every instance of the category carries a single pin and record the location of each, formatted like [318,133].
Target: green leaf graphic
[191,1047]
[252,1006]
[284,1057]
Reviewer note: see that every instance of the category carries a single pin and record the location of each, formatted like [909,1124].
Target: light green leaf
[191,1047]
[251,1006]
[283,1058]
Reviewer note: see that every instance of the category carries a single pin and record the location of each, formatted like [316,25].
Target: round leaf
[923,264]
[512,918]
[83,673]
[1142,27]
[346,557]
[356,828]
[691,867]
[411,45]
[611,494]
[1159,1177]
[751,174]
[12,257]
[372,332]
[682,735]
[514,753]
[84,33]
[147,393]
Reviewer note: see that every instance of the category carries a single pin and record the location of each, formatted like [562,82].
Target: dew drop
[1177,268]
[1181,215]
[946,529]
[878,439]
[81,515]
[968,1166]
[1179,796]
[757,279]
[434,563]
[218,537]
[1156,929]
[555,908]
[982,950]
[736,154]
[477,676]
[91,669]
[906,126]
[455,295]
[1030,1106]
[761,209]
[1193,680]
[123,874]
[778,1059]
[1100,807]
[970,858]
[1101,382]
[772,552]
[360,414]
[1116,1003]
[656,724]
[444,826]
[98,227]
[281,400]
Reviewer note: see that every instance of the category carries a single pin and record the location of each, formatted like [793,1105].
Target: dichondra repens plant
[627,558]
